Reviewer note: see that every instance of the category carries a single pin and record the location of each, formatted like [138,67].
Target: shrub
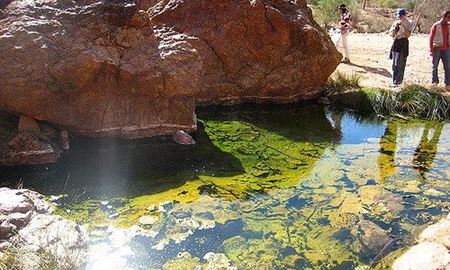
[389,3]
[326,11]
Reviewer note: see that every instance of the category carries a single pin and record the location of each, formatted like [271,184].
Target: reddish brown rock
[29,149]
[29,125]
[182,137]
[133,68]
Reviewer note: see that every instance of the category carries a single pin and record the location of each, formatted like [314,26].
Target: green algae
[268,160]
[87,212]
[277,190]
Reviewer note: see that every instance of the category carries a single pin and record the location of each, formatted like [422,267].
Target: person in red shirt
[440,48]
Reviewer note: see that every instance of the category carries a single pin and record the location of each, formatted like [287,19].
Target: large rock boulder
[30,233]
[432,252]
[134,68]
[424,256]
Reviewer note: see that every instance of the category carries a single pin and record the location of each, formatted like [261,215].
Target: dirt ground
[369,55]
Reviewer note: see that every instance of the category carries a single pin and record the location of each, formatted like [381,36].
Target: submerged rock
[148,220]
[218,261]
[214,261]
[128,69]
[372,238]
[182,137]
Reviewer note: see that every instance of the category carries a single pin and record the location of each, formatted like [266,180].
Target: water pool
[265,187]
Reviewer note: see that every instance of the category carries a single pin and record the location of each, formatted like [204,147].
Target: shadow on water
[105,168]
[100,168]
[296,122]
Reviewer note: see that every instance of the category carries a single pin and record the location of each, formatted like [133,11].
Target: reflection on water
[266,187]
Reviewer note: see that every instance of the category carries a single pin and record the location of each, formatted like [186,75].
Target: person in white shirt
[345,25]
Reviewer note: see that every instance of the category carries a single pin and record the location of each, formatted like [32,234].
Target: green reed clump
[413,101]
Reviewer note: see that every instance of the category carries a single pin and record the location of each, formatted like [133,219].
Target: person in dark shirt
[400,31]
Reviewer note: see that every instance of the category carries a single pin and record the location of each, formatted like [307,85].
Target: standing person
[400,30]
[345,25]
[440,48]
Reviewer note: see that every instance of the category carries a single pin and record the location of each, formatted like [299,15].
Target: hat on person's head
[400,12]
[342,6]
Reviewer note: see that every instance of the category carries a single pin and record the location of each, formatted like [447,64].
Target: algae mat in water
[266,187]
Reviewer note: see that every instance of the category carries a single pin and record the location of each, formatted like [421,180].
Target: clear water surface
[265,187]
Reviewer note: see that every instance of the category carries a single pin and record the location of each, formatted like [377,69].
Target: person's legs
[395,58]
[345,45]
[339,43]
[446,62]
[401,68]
[436,59]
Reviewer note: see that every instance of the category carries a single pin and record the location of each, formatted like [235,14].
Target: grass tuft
[342,81]
[412,101]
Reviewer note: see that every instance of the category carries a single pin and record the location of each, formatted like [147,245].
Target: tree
[326,11]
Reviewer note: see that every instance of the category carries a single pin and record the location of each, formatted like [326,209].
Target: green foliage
[418,101]
[326,12]
[411,4]
[413,101]
[389,3]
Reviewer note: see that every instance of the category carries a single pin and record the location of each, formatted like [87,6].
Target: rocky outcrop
[134,68]
[30,232]
[432,252]
[27,142]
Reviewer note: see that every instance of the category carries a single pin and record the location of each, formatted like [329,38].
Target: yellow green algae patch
[295,200]
[142,205]
[269,160]
[88,213]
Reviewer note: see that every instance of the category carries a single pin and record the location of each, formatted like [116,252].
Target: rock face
[27,227]
[432,252]
[134,68]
